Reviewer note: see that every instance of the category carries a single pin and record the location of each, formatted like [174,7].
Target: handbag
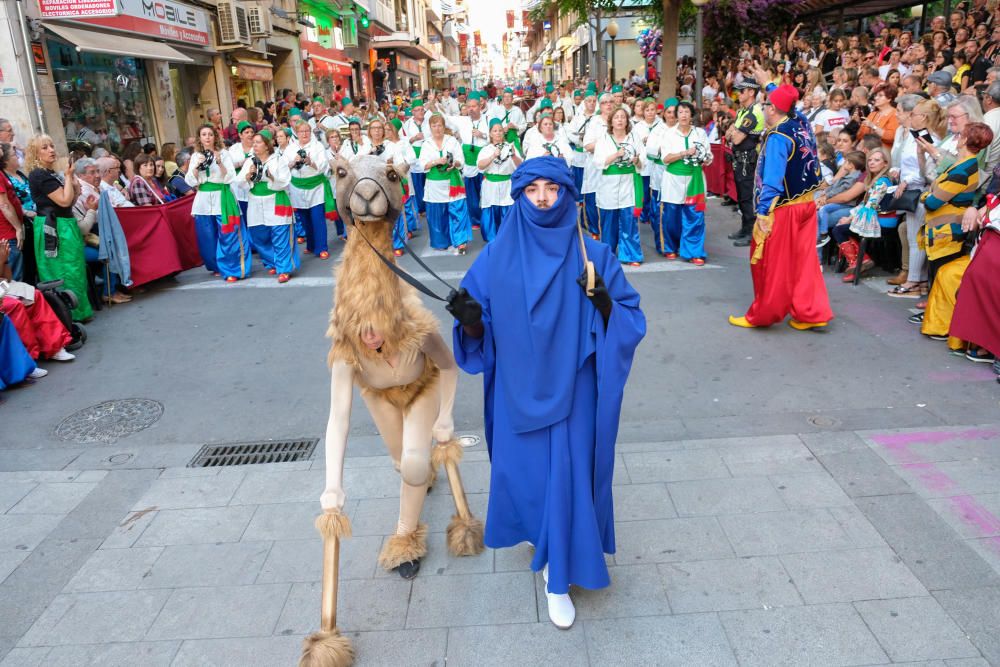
[900,202]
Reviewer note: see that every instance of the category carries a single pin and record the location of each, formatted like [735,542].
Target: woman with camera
[684,150]
[620,155]
[548,141]
[239,152]
[265,178]
[57,237]
[310,191]
[497,161]
[221,232]
[441,158]
[356,143]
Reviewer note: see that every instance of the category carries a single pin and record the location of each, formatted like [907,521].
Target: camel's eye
[392,175]
[341,172]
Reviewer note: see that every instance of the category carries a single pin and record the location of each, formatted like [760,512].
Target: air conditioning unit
[233,25]
[259,19]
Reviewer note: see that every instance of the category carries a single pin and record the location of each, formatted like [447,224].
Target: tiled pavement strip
[836,548]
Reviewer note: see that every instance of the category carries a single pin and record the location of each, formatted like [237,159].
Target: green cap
[495,121]
[267,134]
[473,96]
[546,103]
[616,89]
[508,89]
[417,102]
[648,100]
[591,90]
[671,102]
[354,120]
[243,125]
[461,90]
[396,123]
[577,93]
[288,131]
[549,88]
[318,98]
[295,111]
[344,102]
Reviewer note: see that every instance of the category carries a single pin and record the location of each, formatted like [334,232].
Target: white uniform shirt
[349,150]
[320,126]
[591,174]
[317,153]
[411,128]
[260,210]
[513,115]
[463,127]
[616,191]
[580,122]
[673,188]
[436,192]
[558,146]
[209,203]
[642,130]
[496,193]
[238,155]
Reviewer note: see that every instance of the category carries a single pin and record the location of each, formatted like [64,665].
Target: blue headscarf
[541,333]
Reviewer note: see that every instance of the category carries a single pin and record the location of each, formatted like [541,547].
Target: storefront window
[102,98]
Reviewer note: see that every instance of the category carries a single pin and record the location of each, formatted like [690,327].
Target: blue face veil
[537,305]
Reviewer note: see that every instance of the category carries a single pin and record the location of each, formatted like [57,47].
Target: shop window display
[102,98]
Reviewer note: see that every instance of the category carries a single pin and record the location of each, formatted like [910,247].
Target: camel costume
[408,383]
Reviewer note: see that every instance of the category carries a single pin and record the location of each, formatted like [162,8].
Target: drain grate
[250,453]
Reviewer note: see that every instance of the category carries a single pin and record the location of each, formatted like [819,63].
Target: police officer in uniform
[744,136]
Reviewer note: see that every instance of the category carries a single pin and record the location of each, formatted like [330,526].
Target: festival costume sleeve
[615,345]
[318,155]
[192,175]
[603,149]
[241,178]
[478,355]
[777,149]
[227,162]
[279,173]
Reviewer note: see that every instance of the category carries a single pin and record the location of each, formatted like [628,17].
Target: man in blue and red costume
[554,362]
[783,261]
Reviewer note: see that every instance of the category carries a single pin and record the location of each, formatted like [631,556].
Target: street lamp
[699,82]
[612,31]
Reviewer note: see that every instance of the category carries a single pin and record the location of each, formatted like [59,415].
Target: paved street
[782,497]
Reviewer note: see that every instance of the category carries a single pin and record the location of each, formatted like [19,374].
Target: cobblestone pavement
[782,498]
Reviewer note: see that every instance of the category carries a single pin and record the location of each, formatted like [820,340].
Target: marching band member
[570,98]
[576,131]
[333,146]
[376,137]
[239,152]
[473,132]
[356,144]
[444,192]
[266,177]
[281,140]
[547,141]
[497,162]
[342,117]
[310,190]
[399,150]
[597,128]
[321,121]
[619,154]
[512,118]
[416,130]
[683,149]
[643,128]
[221,231]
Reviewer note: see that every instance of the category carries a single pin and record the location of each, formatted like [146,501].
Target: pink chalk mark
[974,514]
[900,441]
[932,477]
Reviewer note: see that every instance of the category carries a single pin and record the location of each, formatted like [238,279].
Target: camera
[258,173]
[449,162]
[206,164]
[301,162]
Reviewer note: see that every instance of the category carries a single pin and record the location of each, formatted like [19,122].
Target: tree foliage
[727,21]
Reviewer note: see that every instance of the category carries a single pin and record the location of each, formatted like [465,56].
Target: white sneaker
[38,373]
[562,613]
[62,355]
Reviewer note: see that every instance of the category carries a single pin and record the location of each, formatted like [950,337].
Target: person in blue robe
[554,362]
[16,365]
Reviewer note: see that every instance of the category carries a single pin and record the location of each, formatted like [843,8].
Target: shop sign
[254,73]
[38,54]
[63,9]
[407,64]
[163,19]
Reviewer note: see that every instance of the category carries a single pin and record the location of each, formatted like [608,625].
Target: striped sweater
[945,202]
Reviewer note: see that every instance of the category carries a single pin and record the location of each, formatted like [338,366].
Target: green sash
[329,200]
[282,204]
[230,209]
[416,151]
[471,154]
[619,170]
[695,195]
[496,178]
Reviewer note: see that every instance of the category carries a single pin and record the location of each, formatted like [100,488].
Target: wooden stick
[457,490]
[588,265]
[331,579]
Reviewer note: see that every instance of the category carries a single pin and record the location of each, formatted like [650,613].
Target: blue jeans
[15,261]
[829,215]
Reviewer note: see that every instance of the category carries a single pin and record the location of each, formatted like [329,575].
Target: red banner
[477,39]
[510,19]
[525,21]
[161,239]
[463,40]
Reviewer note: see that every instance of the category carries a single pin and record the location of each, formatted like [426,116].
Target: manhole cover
[823,421]
[468,440]
[109,421]
[249,453]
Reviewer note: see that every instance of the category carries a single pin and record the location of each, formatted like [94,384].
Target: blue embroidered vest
[802,172]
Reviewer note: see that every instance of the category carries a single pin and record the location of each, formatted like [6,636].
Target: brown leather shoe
[899,279]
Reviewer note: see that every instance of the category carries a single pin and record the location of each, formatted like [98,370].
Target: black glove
[600,297]
[464,308]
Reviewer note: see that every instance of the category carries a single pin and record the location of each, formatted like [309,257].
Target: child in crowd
[838,199]
[827,162]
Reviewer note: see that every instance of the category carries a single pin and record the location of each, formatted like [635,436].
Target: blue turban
[535,262]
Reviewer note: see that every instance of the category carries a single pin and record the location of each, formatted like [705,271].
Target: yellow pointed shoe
[741,322]
[805,326]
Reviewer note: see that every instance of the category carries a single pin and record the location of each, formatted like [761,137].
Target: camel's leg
[389,422]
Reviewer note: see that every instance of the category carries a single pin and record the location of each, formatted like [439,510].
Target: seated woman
[866,220]
[144,189]
[943,238]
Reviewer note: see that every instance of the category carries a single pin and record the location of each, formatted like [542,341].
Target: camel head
[369,189]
